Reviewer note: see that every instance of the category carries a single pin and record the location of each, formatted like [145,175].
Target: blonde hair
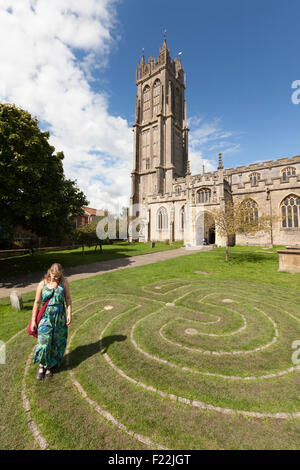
[57,270]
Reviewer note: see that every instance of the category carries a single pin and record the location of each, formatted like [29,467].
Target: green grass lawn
[134,378]
[24,264]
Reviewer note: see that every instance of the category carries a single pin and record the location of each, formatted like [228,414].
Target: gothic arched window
[146,103]
[287,172]
[204,195]
[289,210]
[156,97]
[162,219]
[251,210]
[254,178]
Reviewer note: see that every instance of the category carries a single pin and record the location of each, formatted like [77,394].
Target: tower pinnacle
[220,166]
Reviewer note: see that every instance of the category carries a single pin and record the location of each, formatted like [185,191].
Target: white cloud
[206,140]
[40,71]
[50,52]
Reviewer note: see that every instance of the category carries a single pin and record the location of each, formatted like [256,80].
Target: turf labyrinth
[180,364]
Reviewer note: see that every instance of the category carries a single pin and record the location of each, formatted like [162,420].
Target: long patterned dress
[52,329]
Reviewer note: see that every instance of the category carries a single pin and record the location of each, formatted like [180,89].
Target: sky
[72,64]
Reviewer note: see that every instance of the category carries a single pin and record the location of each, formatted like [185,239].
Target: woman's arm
[36,305]
[68,301]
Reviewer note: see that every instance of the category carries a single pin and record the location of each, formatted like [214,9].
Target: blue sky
[240,57]
[72,64]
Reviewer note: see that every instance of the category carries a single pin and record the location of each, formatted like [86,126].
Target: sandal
[48,374]
[40,373]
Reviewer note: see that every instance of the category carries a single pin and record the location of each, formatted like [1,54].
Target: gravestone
[289,259]
[16,300]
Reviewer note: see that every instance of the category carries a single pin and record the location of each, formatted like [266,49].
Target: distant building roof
[91,211]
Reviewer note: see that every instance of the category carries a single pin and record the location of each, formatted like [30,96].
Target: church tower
[160,128]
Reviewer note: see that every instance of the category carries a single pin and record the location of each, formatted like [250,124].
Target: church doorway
[205,229]
[212,235]
[209,228]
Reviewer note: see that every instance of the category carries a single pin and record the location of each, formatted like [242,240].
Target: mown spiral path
[177,364]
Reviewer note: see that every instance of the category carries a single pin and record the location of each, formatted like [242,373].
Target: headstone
[16,300]
[289,259]
[2,353]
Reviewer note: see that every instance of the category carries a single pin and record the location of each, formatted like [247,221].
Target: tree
[34,190]
[240,217]
[88,233]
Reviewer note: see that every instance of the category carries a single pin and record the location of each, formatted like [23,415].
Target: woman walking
[52,330]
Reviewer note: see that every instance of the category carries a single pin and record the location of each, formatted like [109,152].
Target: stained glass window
[287,172]
[251,210]
[254,178]
[290,212]
[204,196]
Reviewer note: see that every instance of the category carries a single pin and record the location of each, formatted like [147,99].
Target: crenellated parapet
[204,178]
[146,69]
[256,177]
[263,165]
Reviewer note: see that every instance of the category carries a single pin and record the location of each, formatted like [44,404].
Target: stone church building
[171,203]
